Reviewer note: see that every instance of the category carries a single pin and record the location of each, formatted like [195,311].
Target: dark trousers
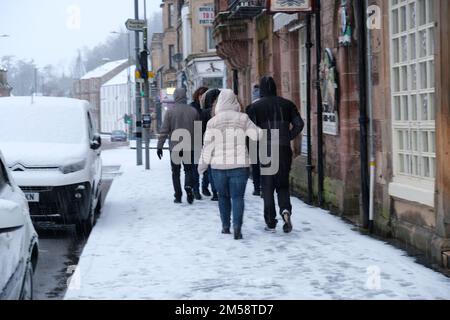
[188,177]
[256,176]
[279,183]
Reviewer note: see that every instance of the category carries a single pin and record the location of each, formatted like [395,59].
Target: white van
[53,150]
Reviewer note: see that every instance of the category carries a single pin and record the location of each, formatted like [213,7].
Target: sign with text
[291,6]
[135,25]
[206,15]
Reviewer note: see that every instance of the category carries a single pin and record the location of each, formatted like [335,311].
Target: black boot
[287,228]
[206,192]
[177,200]
[237,234]
[226,231]
[197,196]
[190,195]
[215,197]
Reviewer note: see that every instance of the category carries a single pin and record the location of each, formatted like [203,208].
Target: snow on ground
[146,247]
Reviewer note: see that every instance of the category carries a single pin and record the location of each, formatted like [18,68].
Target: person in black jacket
[210,97]
[272,112]
[196,105]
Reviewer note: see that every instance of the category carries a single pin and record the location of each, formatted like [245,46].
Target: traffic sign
[135,25]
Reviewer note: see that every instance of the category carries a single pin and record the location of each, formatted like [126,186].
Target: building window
[210,41]
[303,85]
[412,53]
[171,15]
[171,54]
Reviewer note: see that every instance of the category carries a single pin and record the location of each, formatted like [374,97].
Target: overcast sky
[51,31]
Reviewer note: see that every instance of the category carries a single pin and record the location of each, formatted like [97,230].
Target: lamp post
[130,125]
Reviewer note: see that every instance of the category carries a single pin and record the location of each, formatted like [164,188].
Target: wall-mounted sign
[290,5]
[206,15]
[330,93]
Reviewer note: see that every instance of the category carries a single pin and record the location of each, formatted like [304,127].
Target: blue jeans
[211,180]
[230,185]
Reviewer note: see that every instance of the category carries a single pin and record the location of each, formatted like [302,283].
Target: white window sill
[407,191]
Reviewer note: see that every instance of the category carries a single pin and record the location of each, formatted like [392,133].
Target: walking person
[182,116]
[256,170]
[229,160]
[209,100]
[197,106]
[271,112]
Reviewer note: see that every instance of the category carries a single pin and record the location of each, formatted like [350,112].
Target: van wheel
[84,227]
[27,286]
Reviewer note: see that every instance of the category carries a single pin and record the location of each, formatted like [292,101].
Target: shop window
[412,34]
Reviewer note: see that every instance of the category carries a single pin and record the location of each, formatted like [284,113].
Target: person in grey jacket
[181,116]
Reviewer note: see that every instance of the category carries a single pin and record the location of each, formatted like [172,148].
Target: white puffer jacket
[225,137]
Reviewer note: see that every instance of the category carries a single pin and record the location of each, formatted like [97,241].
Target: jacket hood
[267,87]
[209,97]
[227,101]
[180,96]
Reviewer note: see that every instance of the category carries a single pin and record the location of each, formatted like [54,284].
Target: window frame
[408,89]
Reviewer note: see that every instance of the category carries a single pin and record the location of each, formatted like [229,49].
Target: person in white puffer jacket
[225,149]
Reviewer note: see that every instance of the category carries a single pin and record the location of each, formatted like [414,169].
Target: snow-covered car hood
[42,154]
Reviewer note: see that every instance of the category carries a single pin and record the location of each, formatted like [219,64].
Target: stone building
[89,86]
[408,92]
[170,43]
[5,88]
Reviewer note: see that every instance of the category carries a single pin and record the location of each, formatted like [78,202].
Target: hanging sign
[330,93]
[206,15]
[292,6]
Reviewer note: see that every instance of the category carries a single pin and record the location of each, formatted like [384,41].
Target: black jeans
[279,183]
[188,176]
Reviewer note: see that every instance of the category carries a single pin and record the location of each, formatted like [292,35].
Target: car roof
[47,102]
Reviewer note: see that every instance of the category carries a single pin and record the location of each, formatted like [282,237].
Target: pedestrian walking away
[182,116]
[208,101]
[229,160]
[197,106]
[272,112]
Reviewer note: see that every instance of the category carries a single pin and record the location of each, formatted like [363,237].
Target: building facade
[407,88]
[117,98]
[89,86]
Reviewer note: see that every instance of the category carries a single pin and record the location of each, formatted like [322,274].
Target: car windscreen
[42,124]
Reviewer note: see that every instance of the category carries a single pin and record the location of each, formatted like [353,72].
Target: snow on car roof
[104,69]
[39,101]
[122,78]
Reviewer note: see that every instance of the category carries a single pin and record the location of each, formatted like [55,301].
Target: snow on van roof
[122,78]
[46,119]
[39,101]
[104,69]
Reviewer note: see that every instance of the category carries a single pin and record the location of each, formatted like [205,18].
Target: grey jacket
[181,116]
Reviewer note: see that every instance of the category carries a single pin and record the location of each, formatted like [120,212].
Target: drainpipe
[235,82]
[371,129]
[363,121]
[320,170]
[309,166]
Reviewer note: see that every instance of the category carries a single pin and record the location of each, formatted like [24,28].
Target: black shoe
[190,195]
[226,231]
[206,192]
[257,193]
[237,234]
[177,200]
[197,196]
[287,228]
[215,197]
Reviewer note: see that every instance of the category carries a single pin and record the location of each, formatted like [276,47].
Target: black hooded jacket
[210,97]
[273,112]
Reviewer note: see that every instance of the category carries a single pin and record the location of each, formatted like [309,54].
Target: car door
[13,247]
[95,155]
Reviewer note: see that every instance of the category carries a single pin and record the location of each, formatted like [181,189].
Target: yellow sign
[151,74]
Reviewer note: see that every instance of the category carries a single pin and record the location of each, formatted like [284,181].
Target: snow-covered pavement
[146,247]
